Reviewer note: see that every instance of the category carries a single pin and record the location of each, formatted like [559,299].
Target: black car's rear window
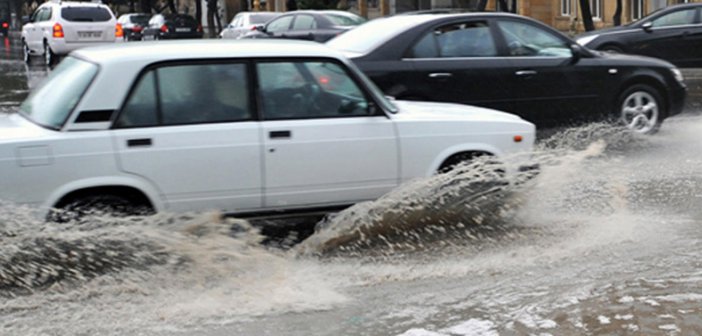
[86,14]
[140,19]
[262,18]
[186,20]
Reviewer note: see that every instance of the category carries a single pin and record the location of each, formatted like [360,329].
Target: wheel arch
[447,154]
[648,80]
[119,186]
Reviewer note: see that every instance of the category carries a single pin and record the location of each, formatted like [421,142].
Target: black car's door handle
[440,75]
[525,73]
[138,142]
[280,134]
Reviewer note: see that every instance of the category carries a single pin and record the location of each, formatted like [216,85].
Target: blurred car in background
[133,25]
[673,34]
[512,63]
[312,25]
[5,18]
[172,26]
[59,27]
[245,22]
[247,126]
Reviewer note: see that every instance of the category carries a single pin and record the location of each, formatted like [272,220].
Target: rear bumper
[676,100]
[189,35]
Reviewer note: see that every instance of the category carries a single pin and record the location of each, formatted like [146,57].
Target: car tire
[26,54]
[49,57]
[640,108]
[97,205]
[491,164]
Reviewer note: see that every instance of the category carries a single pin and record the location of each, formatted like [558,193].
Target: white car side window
[188,94]
[300,90]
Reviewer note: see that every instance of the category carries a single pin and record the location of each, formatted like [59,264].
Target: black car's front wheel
[640,108]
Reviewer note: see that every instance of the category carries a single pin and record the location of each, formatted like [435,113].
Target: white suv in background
[57,28]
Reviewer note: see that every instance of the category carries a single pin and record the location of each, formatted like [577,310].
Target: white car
[57,28]
[238,126]
[245,22]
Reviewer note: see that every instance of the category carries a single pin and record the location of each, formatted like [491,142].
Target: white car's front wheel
[26,54]
[641,109]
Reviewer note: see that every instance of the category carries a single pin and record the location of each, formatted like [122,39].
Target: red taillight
[58,31]
[164,29]
[136,29]
[119,32]
[5,25]
[199,28]
[254,27]
[517,138]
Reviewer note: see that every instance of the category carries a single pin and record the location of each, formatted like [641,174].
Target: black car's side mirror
[260,27]
[647,26]
[577,52]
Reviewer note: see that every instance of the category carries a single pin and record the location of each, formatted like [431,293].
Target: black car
[133,25]
[172,26]
[310,25]
[673,34]
[512,63]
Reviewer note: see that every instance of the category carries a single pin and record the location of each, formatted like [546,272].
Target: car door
[303,28]
[459,62]
[190,129]
[325,142]
[35,35]
[548,86]
[674,36]
[280,26]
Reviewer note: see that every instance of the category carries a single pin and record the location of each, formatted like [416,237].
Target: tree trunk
[503,6]
[617,18]
[172,7]
[145,6]
[514,6]
[198,12]
[481,5]
[587,15]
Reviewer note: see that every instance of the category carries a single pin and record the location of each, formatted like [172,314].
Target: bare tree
[198,12]
[587,15]
[212,16]
[503,5]
[617,18]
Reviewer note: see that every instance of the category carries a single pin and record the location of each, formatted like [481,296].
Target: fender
[467,147]
[151,192]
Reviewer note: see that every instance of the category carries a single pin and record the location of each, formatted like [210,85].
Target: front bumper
[676,100]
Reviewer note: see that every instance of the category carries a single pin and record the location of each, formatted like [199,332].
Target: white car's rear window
[86,14]
[53,101]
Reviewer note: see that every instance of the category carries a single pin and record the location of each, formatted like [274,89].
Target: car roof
[150,52]
[74,4]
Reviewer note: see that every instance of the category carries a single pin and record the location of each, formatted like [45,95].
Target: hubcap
[47,55]
[640,112]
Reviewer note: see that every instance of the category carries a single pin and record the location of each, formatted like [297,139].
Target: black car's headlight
[678,75]
[583,41]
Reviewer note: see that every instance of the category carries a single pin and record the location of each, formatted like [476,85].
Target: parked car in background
[512,63]
[133,25]
[5,18]
[312,25]
[673,34]
[172,26]
[245,22]
[57,28]
[198,125]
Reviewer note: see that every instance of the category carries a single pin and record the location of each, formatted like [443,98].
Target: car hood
[15,127]
[605,31]
[615,59]
[450,112]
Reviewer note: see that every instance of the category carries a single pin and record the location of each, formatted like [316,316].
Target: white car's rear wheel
[49,56]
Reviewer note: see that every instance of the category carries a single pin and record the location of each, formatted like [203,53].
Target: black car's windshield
[345,20]
[53,101]
[368,36]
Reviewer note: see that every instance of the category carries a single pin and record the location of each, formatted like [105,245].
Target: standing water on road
[604,241]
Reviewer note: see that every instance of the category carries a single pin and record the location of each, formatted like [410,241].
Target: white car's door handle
[139,142]
[440,75]
[280,134]
[525,73]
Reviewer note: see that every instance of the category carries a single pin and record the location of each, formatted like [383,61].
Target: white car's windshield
[53,101]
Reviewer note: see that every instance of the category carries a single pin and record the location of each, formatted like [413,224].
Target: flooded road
[605,241]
